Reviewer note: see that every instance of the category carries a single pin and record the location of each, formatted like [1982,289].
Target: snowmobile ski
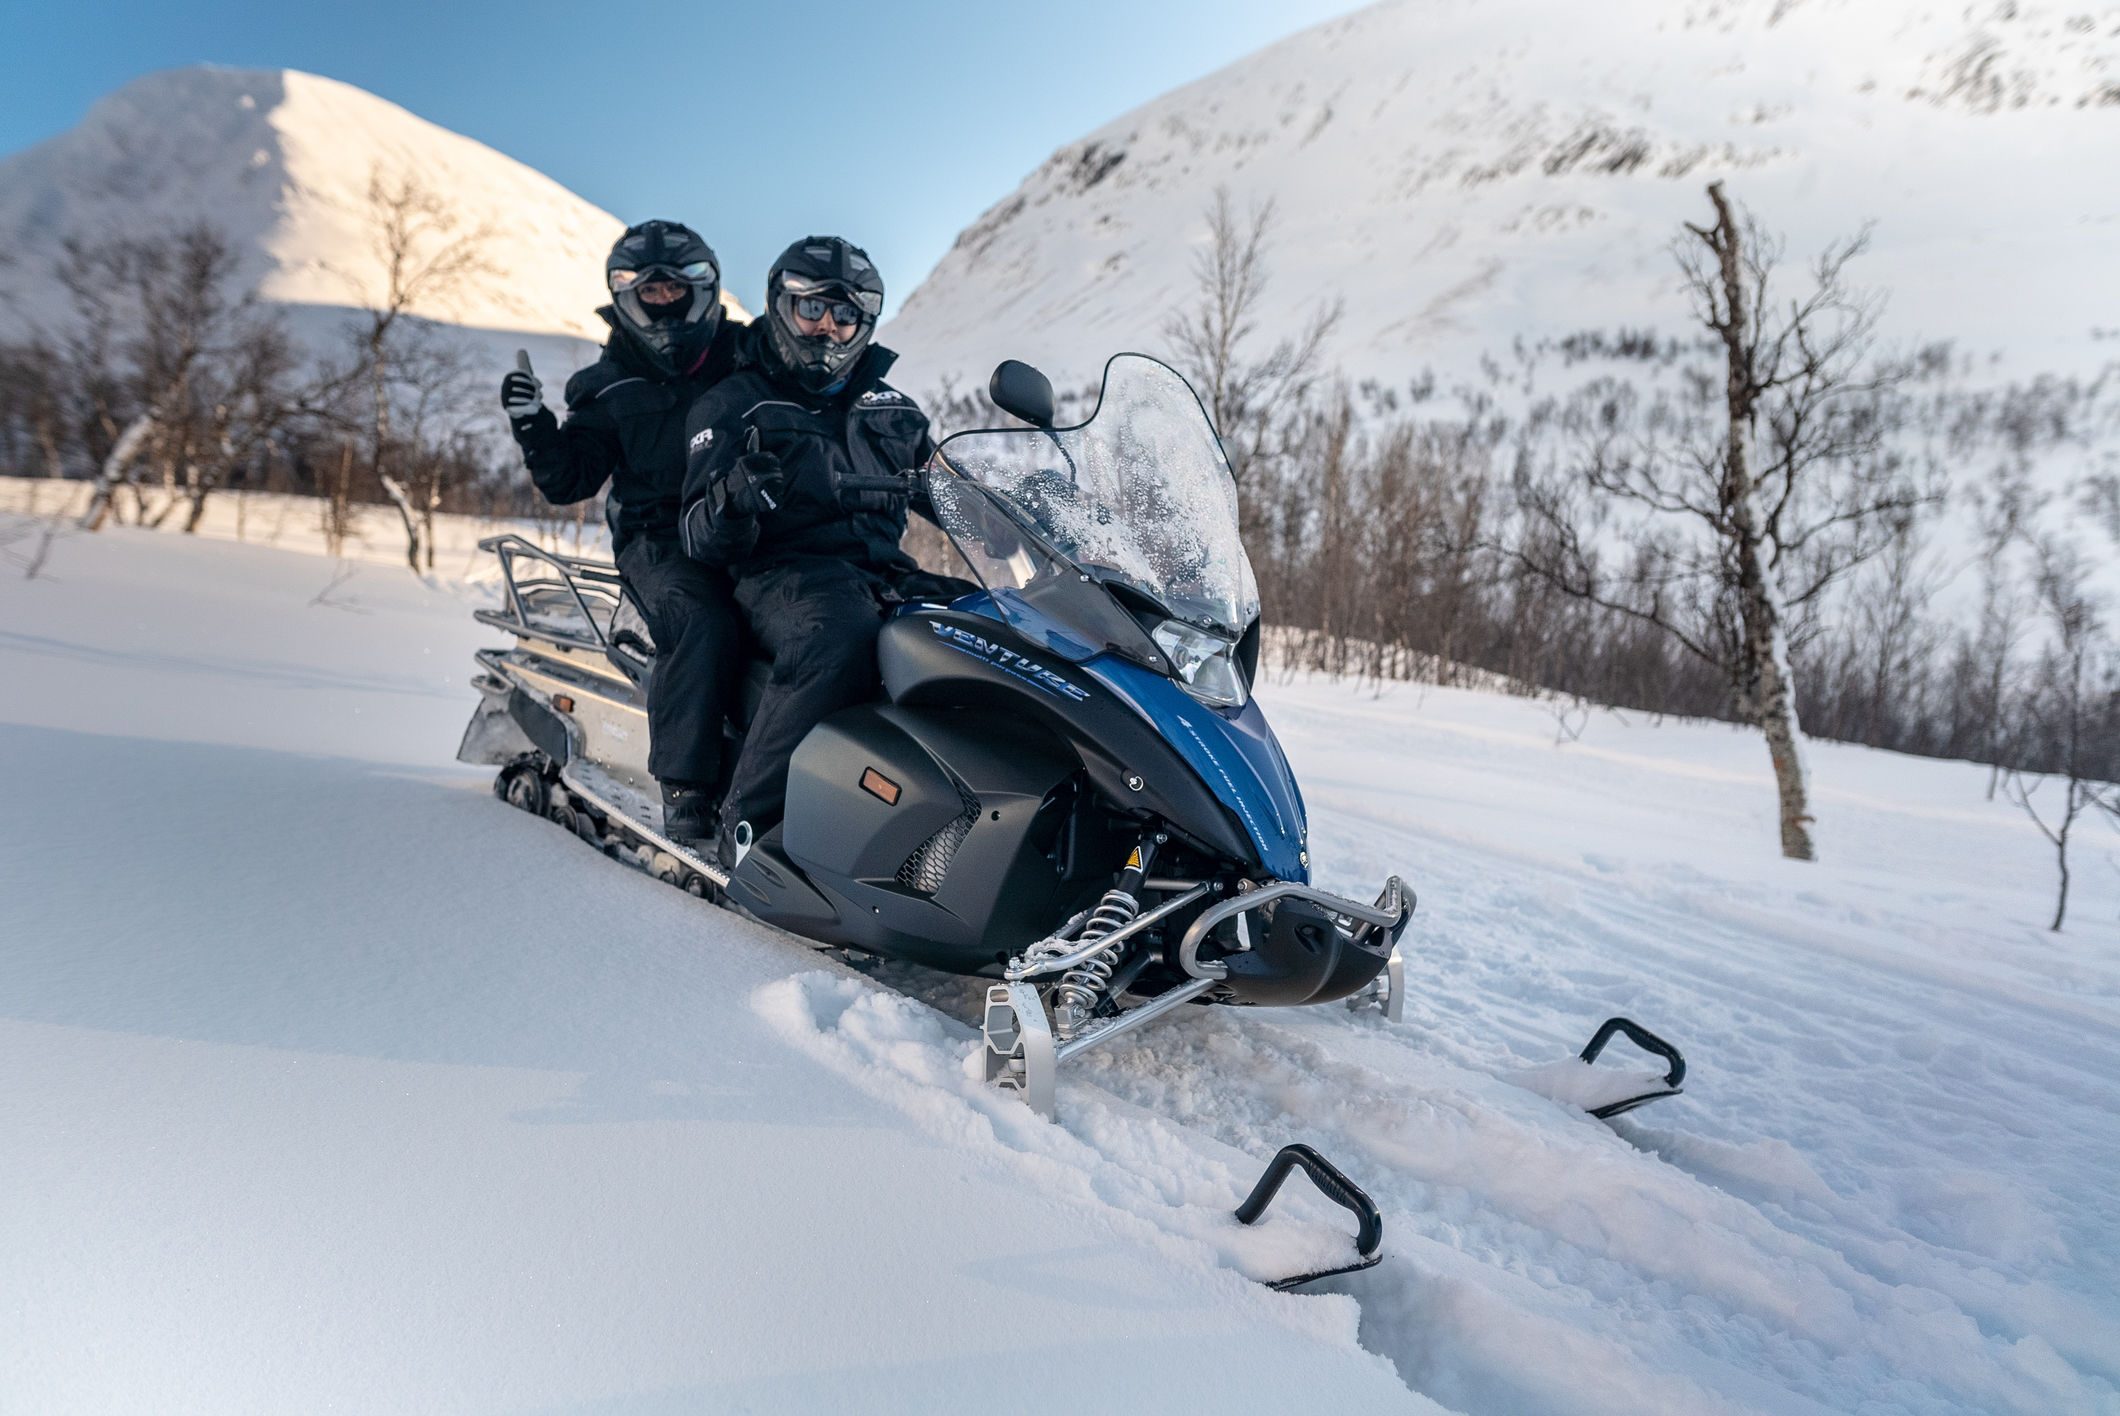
[1648,1042]
[1334,1185]
[1606,1092]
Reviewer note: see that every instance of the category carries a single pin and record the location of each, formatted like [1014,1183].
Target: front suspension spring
[1080,990]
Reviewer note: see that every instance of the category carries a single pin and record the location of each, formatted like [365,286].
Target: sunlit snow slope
[281,162]
[1470,172]
[329,1082]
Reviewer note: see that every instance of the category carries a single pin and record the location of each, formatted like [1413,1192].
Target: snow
[1466,173]
[280,161]
[328,1082]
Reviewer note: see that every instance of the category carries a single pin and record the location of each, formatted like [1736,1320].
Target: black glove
[521,394]
[752,486]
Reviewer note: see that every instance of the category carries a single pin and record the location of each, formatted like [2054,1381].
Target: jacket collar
[875,362]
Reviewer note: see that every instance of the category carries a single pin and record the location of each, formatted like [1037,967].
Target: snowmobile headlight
[1206,663]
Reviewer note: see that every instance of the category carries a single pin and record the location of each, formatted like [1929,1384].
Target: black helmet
[822,272]
[672,334]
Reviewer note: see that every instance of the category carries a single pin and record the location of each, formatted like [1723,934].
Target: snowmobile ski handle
[1644,1039]
[1335,1186]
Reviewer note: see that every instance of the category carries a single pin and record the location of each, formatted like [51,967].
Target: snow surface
[1466,173]
[328,1082]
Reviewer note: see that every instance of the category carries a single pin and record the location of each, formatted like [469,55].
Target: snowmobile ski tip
[1648,1042]
[1333,1183]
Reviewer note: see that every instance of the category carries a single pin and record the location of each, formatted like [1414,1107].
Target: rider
[625,424]
[797,481]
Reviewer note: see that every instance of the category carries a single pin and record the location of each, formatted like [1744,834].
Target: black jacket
[867,430]
[626,425]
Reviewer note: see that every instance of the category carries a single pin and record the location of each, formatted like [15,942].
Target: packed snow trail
[334,1079]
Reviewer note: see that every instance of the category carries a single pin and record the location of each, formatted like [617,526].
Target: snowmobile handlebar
[1644,1039]
[1334,1185]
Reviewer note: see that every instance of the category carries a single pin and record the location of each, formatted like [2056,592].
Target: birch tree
[424,260]
[1733,503]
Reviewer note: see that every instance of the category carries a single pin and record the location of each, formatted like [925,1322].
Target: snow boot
[688,808]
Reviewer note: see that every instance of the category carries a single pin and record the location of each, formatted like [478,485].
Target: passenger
[797,482]
[626,425]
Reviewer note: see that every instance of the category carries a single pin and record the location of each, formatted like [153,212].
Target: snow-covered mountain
[1465,172]
[281,161]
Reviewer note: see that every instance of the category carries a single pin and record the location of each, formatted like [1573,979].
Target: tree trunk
[412,526]
[338,510]
[2061,853]
[1766,649]
[107,477]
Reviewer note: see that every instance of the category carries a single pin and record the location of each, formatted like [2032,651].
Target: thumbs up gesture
[522,396]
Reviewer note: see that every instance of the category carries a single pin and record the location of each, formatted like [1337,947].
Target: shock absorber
[1083,987]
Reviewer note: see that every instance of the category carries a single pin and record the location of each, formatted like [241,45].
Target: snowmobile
[1066,787]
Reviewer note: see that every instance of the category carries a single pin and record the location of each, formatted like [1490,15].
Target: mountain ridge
[1468,174]
[280,161]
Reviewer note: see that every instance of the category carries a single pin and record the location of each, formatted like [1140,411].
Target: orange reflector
[880,787]
[563,703]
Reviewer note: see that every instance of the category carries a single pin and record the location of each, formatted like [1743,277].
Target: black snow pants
[818,620]
[699,655]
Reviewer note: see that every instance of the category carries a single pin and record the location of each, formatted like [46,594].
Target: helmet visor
[868,302]
[690,273]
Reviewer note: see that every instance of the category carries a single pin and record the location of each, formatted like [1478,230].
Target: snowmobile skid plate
[1334,1185]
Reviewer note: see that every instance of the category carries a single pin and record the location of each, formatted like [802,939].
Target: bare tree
[1255,390]
[425,261]
[1761,482]
[179,366]
[2073,694]
[1991,653]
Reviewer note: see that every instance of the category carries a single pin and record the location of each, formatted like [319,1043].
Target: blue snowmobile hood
[1234,753]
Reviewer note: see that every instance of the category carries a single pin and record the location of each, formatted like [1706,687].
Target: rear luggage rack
[562,590]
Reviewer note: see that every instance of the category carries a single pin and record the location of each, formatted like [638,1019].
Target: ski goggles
[813,297]
[814,308]
[690,273]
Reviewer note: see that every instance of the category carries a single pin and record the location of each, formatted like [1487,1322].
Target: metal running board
[593,786]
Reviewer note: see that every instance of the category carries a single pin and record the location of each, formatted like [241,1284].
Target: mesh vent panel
[925,868]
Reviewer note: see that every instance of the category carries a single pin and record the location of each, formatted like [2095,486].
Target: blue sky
[895,124]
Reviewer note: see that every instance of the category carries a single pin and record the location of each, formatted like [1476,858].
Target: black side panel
[863,795]
[949,658]
[769,887]
[960,869]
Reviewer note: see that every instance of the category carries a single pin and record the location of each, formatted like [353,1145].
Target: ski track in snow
[1886,1188]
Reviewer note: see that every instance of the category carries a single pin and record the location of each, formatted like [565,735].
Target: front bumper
[1290,943]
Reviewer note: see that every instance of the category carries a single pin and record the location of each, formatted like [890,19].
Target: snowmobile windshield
[1138,498]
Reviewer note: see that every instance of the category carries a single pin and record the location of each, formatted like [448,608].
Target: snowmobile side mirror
[1020,390]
